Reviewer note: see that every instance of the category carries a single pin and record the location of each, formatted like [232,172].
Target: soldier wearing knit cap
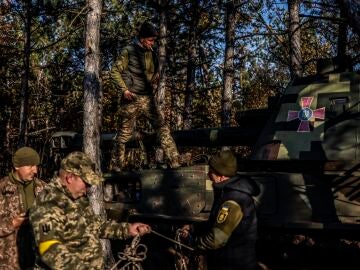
[135,75]
[26,156]
[147,30]
[229,241]
[224,163]
[17,194]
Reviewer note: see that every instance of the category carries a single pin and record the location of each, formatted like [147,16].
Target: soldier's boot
[173,156]
[180,160]
[175,162]
[169,147]
[186,159]
[118,158]
[113,165]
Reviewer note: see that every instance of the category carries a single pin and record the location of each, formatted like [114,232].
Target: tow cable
[136,253]
[133,255]
[172,240]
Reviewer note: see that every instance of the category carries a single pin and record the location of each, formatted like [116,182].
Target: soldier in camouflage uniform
[17,193]
[134,75]
[67,232]
[231,232]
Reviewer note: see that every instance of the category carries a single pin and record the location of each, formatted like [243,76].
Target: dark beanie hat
[147,30]
[25,156]
[224,163]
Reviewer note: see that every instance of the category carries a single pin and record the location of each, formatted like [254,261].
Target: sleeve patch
[223,214]
[46,231]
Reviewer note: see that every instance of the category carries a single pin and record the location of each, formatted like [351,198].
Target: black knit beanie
[25,156]
[147,30]
[224,163]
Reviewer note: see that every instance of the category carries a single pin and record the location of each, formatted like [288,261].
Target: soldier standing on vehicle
[135,75]
[231,232]
[67,232]
[17,193]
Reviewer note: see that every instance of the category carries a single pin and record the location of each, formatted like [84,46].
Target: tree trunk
[160,93]
[228,64]
[205,66]
[295,39]
[24,106]
[176,104]
[342,35]
[93,110]
[352,10]
[190,77]
[8,113]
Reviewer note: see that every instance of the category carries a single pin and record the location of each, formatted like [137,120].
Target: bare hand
[18,220]
[185,231]
[128,95]
[139,229]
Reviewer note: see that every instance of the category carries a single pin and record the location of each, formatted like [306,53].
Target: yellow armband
[44,246]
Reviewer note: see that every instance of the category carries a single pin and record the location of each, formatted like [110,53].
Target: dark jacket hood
[239,182]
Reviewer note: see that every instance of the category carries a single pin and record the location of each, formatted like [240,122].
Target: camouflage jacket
[11,205]
[67,232]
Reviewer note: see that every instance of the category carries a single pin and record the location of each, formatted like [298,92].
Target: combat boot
[175,162]
[117,158]
[185,159]
[114,166]
[180,160]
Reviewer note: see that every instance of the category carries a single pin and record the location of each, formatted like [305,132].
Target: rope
[172,240]
[133,255]
[181,261]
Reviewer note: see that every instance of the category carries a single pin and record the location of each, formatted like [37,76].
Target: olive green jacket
[135,70]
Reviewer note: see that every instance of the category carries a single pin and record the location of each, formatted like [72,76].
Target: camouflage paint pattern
[55,216]
[11,205]
[130,111]
[281,140]
[325,194]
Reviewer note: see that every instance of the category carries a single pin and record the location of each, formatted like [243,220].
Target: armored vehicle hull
[305,159]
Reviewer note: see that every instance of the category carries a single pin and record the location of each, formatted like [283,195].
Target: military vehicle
[305,157]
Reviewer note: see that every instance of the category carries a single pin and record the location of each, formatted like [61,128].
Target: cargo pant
[130,111]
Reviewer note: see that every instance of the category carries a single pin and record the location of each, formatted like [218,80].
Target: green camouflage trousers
[130,111]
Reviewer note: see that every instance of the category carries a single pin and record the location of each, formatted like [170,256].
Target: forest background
[217,58]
